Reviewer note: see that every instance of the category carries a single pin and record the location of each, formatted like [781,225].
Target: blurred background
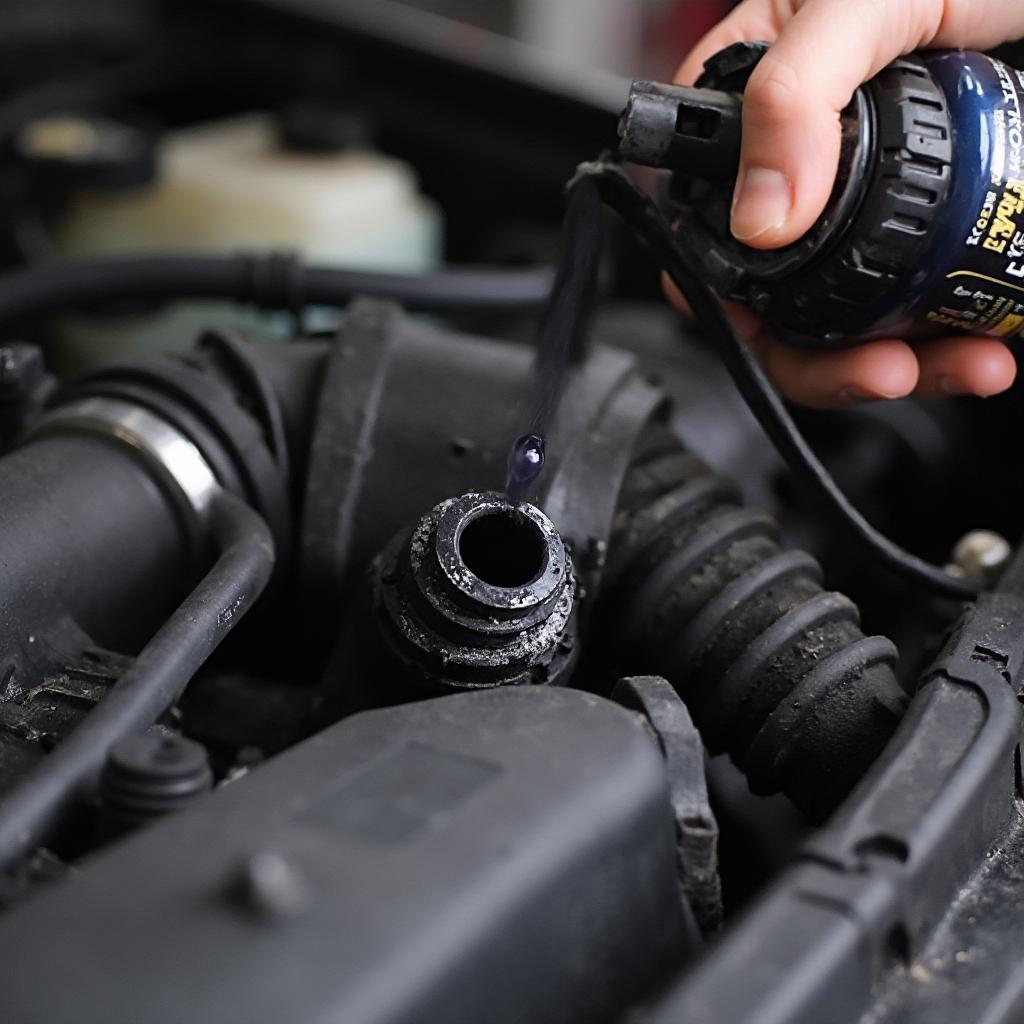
[631,37]
[134,125]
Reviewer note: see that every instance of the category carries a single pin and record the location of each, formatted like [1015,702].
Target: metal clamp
[178,465]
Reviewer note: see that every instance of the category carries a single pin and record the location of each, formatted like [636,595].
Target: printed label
[987,294]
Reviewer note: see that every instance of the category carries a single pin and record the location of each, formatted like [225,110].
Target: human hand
[822,51]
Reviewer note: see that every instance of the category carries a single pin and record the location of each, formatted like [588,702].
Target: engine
[312,709]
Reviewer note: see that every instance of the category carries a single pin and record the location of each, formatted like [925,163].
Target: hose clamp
[176,463]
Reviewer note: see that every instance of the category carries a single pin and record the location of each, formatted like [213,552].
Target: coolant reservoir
[233,185]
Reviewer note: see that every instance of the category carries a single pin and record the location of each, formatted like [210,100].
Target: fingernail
[762,203]
[853,396]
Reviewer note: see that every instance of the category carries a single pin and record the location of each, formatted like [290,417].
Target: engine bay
[307,714]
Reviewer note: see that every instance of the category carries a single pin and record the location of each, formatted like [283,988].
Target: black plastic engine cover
[500,856]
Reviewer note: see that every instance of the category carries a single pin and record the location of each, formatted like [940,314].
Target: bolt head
[269,886]
[981,555]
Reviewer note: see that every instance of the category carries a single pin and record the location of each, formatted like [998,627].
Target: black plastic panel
[501,856]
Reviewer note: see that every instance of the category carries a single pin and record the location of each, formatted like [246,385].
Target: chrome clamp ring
[180,467]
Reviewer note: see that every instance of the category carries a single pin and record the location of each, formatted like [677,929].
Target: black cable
[676,257]
[67,777]
[452,290]
[273,281]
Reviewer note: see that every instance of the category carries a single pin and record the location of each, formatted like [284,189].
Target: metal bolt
[269,886]
[981,555]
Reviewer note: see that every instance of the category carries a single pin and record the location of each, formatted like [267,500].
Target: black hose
[274,281]
[774,669]
[676,257]
[66,779]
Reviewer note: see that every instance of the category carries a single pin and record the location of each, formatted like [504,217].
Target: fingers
[824,380]
[791,125]
[822,51]
[746,324]
[977,24]
[821,379]
[757,20]
[965,366]
[877,370]
[873,371]
[887,370]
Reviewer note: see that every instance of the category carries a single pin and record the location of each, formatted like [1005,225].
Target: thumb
[791,123]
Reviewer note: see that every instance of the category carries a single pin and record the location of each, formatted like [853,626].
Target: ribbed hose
[774,669]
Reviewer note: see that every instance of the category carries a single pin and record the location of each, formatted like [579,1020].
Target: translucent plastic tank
[231,186]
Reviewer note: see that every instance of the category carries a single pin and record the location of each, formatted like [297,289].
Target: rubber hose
[33,810]
[774,669]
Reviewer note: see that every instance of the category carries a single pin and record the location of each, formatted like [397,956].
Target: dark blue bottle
[973,278]
[924,232]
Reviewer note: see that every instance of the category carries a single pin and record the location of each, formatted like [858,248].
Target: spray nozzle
[679,127]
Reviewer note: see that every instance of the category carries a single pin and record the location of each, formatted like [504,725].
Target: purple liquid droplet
[525,463]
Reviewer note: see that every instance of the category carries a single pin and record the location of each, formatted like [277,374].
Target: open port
[504,549]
